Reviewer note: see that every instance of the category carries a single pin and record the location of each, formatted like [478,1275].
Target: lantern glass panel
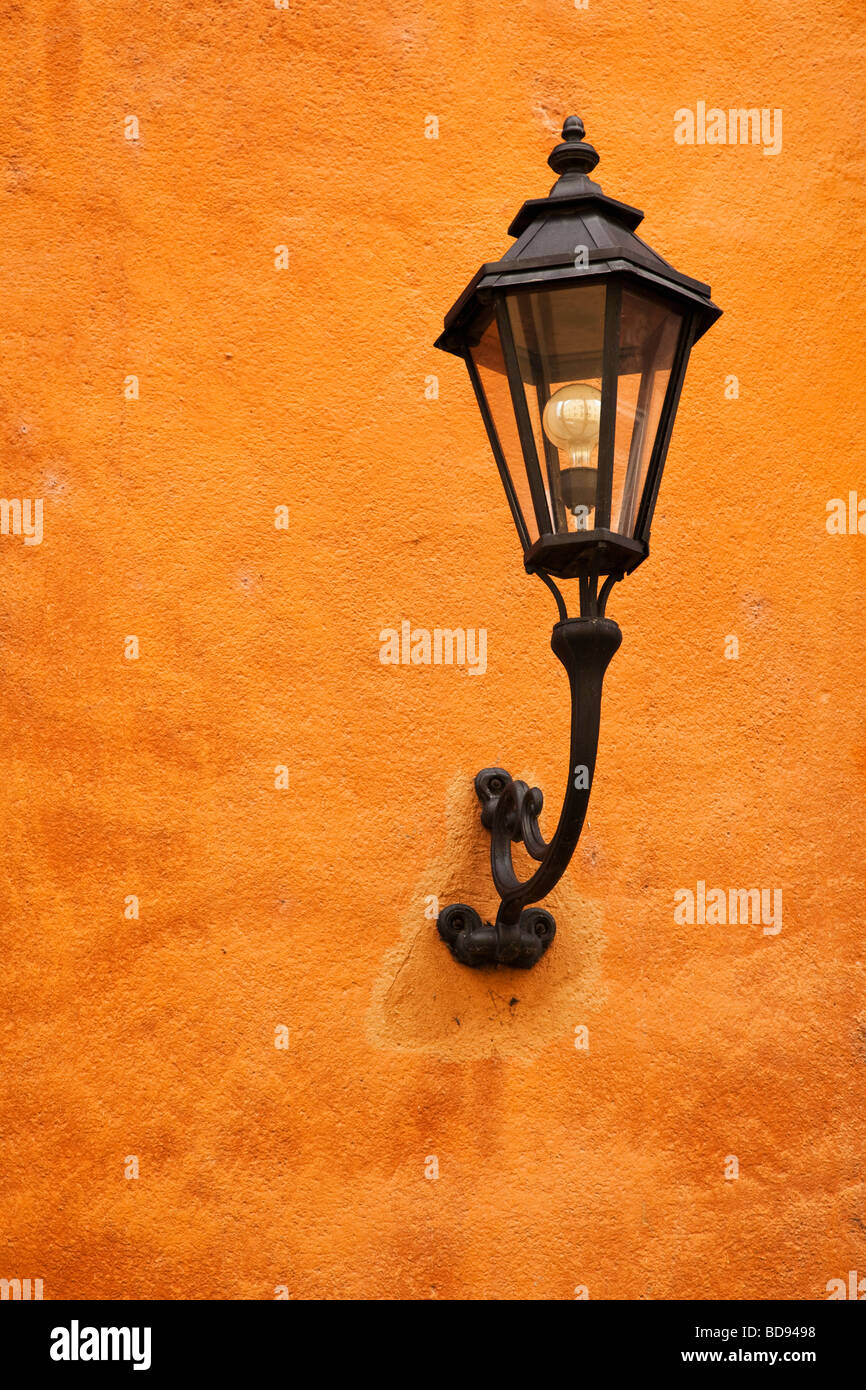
[577,352]
[559,343]
[559,337]
[648,336]
[485,348]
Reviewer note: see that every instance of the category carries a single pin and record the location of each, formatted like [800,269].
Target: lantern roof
[576,233]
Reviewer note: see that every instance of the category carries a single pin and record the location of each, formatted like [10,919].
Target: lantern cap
[576,217]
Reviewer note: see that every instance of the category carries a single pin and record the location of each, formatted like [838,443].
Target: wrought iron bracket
[510,810]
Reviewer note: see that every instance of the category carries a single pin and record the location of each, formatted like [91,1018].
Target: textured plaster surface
[304,907]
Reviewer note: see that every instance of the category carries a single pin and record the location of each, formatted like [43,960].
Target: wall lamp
[577,343]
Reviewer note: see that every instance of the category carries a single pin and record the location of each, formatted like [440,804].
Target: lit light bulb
[571,421]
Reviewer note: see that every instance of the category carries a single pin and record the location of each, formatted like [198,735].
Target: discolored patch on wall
[425,1001]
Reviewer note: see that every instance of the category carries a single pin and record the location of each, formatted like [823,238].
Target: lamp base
[473,942]
[573,553]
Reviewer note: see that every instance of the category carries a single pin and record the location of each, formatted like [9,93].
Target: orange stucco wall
[307,1168]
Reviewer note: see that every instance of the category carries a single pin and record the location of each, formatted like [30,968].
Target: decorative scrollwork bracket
[510,810]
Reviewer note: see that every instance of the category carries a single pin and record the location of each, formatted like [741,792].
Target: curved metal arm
[510,811]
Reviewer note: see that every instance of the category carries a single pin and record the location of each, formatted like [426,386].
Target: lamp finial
[573,158]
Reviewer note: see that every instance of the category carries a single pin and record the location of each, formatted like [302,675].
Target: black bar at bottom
[56,1340]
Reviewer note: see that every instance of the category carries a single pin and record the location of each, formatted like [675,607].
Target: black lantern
[577,343]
